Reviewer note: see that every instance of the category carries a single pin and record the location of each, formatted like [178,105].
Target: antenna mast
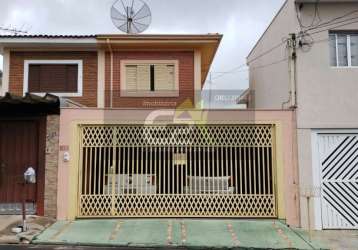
[14,31]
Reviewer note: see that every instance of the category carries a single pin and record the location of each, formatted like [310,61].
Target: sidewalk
[35,225]
[189,233]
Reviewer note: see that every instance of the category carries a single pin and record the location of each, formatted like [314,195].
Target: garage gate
[176,171]
[338,158]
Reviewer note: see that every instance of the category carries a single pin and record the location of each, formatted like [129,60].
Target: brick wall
[51,165]
[89,97]
[186,80]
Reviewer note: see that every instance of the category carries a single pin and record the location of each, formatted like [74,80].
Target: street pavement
[64,247]
[176,233]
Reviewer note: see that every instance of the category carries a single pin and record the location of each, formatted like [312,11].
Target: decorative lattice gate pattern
[179,171]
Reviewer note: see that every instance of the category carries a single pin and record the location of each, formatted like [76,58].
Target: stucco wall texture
[326,96]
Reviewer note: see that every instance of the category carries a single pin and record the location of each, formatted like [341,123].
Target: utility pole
[292,48]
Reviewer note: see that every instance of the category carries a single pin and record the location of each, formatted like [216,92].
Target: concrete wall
[326,96]
[287,173]
[268,76]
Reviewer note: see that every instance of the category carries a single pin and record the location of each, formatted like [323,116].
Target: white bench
[128,184]
[200,185]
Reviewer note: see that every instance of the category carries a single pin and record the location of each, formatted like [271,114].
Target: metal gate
[176,171]
[338,156]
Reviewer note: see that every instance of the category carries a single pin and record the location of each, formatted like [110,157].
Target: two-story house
[132,139]
[307,61]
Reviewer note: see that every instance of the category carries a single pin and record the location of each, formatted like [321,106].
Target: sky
[242,22]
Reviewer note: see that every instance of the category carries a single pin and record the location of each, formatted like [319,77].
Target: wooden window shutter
[171,76]
[131,77]
[143,77]
[72,78]
[53,78]
[164,77]
[34,78]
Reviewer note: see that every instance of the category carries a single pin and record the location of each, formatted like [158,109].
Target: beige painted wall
[326,96]
[269,84]
[283,120]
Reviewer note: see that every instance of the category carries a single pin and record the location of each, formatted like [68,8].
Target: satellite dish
[131,16]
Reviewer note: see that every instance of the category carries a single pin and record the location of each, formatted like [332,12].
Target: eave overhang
[29,105]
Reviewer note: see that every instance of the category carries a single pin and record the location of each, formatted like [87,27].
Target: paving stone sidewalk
[187,233]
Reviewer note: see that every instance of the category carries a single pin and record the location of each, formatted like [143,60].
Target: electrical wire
[233,70]
[230,71]
[315,17]
[253,68]
[269,64]
[302,35]
[333,20]
[338,26]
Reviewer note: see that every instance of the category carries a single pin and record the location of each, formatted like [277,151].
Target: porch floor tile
[188,233]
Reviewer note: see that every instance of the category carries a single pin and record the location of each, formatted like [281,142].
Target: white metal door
[338,155]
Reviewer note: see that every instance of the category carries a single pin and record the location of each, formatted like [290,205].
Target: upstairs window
[62,78]
[343,49]
[149,78]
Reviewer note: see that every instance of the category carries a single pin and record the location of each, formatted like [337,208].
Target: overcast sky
[240,21]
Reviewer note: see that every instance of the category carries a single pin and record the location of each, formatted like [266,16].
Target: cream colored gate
[176,171]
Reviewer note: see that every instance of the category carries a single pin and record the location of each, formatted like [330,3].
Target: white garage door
[338,154]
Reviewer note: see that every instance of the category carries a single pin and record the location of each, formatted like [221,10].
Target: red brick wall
[186,80]
[89,95]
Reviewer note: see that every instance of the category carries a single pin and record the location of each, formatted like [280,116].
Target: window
[343,49]
[62,77]
[149,78]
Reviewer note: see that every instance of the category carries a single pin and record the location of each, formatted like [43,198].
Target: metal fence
[177,171]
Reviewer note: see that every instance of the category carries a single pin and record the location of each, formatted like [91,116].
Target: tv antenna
[13,31]
[131,16]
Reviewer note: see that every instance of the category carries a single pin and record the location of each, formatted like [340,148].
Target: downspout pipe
[111,72]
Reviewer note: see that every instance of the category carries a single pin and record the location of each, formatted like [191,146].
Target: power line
[338,26]
[257,67]
[327,25]
[269,64]
[230,71]
[252,60]
[302,34]
[332,20]
[268,51]
[316,16]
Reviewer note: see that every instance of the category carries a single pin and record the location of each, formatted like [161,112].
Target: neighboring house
[316,77]
[132,139]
